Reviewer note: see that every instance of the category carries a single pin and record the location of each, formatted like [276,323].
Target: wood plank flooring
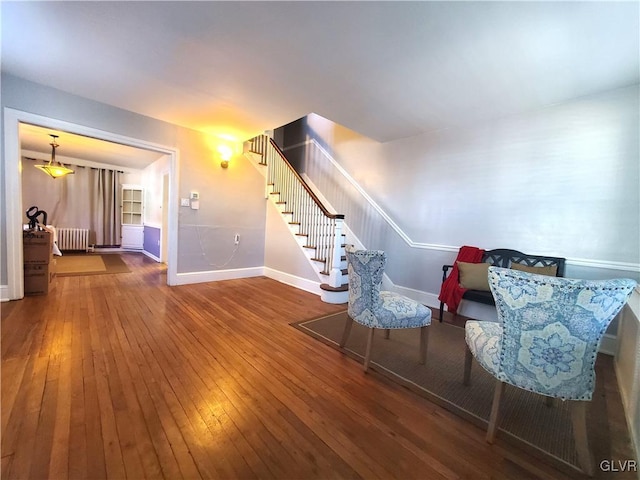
[120,376]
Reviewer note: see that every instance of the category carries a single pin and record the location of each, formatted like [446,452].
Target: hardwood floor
[120,376]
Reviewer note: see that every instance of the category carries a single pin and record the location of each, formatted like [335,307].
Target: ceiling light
[53,168]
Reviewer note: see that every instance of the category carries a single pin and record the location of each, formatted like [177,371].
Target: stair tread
[342,288]
[344,271]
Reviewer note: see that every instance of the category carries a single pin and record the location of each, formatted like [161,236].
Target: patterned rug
[89,264]
[541,430]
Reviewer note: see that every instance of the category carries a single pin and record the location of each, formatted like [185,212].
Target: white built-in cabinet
[132,217]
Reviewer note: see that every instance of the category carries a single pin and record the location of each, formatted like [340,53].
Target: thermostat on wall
[195,196]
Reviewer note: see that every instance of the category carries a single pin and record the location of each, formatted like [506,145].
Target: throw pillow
[551,270]
[474,276]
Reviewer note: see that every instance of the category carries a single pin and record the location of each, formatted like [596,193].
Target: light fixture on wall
[54,168]
[225,154]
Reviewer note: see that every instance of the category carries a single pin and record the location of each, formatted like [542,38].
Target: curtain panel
[90,198]
[105,214]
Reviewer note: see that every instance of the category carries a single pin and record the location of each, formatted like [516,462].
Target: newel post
[335,276]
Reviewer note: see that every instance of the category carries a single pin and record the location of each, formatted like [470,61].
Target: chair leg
[387,331]
[468,357]
[424,343]
[494,419]
[579,420]
[441,311]
[367,355]
[347,331]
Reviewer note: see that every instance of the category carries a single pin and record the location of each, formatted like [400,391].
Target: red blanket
[451,291]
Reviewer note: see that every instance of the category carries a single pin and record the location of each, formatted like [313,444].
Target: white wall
[134,178]
[558,181]
[284,260]
[561,180]
[151,181]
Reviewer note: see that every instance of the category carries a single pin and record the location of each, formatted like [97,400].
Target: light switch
[184,202]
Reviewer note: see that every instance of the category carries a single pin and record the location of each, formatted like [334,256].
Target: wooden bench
[503,257]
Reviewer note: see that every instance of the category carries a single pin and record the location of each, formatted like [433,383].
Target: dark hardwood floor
[119,376]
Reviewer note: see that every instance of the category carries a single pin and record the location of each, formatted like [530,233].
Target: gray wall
[232,200]
[562,181]
[282,252]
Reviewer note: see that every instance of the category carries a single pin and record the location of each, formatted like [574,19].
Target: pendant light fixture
[53,168]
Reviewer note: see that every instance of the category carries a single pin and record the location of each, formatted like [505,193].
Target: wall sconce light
[225,155]
[53,168]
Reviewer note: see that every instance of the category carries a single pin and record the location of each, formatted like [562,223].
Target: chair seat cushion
[479,296]
[398,311]
[373,308]
[485,342]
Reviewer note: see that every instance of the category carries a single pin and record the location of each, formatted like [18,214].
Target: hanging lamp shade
[54,168]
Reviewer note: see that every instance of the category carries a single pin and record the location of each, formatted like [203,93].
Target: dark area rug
[542,430]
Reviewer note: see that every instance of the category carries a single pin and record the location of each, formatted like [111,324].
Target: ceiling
[77,149]
[387,70]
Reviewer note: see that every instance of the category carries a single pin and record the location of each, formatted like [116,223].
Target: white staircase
[318,231]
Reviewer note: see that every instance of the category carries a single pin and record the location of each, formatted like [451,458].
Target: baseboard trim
[151,256]
[217,275]
[294,281]
[426,298]
[4,293]
[232,274]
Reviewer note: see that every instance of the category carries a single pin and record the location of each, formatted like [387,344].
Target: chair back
[504,257]
[365,269]
[552,328]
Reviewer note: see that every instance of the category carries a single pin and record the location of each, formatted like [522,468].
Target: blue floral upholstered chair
[373,308]
[547,340]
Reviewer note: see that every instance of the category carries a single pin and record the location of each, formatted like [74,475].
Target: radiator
[73,239]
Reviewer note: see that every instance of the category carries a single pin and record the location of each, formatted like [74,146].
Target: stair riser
[335,297]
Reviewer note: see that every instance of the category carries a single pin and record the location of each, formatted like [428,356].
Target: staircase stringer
[318,265]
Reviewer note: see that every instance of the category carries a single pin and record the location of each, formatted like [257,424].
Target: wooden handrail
[310,218]
[313,196]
